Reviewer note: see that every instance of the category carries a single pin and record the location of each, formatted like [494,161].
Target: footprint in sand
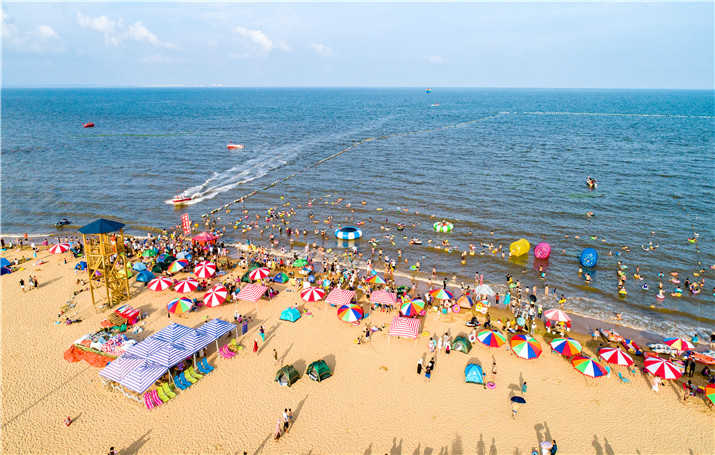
[384,367]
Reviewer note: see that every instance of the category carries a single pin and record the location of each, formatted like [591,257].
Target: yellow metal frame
[105,254]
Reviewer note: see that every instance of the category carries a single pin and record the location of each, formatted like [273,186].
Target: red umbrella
[215,296]
[312,294]
[679,344]
[187,285]
[259,273]
[60,248]
[662,368]
[615,356]
[161,283]
[205,269]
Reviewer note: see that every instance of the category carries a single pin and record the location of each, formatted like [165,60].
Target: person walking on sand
[275,356]
[262,331]
[277,432]
[514,410]
[255,345]
[523,388]
[419,366]
[22,285]
[286,420]
[37,284]
[494,369]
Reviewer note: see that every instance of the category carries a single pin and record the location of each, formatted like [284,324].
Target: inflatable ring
[348,233]
[472,338]
[491,385]
[443,226]
[456,308]
[479,305]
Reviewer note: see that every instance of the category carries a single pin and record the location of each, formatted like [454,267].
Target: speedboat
[234,146]
[88,125]
[180,199]
[62,222]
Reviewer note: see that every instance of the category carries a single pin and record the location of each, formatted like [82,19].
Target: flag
[186,223]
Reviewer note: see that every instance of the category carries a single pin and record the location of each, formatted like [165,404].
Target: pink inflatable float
[542,250]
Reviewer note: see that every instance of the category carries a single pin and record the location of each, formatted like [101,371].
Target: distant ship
[234,146]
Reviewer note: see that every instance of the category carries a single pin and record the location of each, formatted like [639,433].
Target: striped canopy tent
[171,333]
[143,376]
[193,341]
[340,297]
[147,347]
[404,327]
[169,356]
[383,297]
[121,366]
[251,293]
[216,328]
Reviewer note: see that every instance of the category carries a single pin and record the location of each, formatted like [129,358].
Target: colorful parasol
[300,263]
[567,347]
[259,273]
[59,248]
[375,279]
[281,278]
[679,344]
[215,296]
[177,265]
[179,306]
[441,294]
[615,356]
[161,283]
[187,285]
[556,315]
[205,269]
[350,313]
[312,294]
[412,308]
[589,367]
[662,368]
[710,392]
[525,346]
[491,338]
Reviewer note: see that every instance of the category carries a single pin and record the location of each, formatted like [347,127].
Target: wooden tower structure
[106,262]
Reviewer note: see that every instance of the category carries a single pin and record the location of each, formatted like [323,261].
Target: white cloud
[116,33]
[435,59]
[161,59]
[39,40]
[260,45]
[322,50]
[46,31]
[213,43]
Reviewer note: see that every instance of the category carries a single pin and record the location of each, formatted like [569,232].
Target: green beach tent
[318,370]
[462,344]
[287,375]
[290,314]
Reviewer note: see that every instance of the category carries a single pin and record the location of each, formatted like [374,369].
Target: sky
[553,45]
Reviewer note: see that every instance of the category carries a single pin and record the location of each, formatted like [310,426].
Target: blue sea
[512,166]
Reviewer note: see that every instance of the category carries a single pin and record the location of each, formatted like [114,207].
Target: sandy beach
[375,402]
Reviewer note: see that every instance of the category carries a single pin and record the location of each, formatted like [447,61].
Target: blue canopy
[171,333]
[473,373]
[290,314]
[216,328]
[193,341]
[145,276]
[4,262]
[147,347]
[118,368]
[169,356]
[5,270]
[143,376]
[101,226]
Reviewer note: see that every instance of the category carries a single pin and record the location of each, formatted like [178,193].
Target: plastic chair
[148,401]
[179,383]
[167,390]
[187,377]
[622,378]
[162,396]
[206,365]
[194,374]
[155,396]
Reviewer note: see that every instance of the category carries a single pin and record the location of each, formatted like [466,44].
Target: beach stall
[287,375]
[204,238]
[339,297]
[251,293]
[383,298]
[404,327]
[318,371]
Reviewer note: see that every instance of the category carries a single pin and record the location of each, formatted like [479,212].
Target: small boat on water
[62,222]
[234,146]
[88,125]
[181,199]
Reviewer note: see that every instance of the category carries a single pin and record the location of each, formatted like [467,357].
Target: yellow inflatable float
[519,247]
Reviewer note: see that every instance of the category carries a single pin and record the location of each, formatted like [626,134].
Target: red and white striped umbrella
[59,248]
[205,269]
[615,356]
[679,344]
[556,315]
[215,296]
[259,273]
[161,283]
[187,285]
[663,368]
[312,294]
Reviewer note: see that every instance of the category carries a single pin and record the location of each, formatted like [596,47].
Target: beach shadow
[47,283]
[457,446]
[493,449]
[300,366]
[281,360]
[368,451]
[330,361]
[481,447]
[74,419]
[263,444]
[514,389]
[136,445]
[396,449]
[607,447]
[597,445]
[296,413]
[418,450]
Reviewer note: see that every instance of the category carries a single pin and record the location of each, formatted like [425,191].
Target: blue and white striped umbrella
[216,328]
[172,333]
[348,233]
[169,356]
[121,366]
[147,347]
[193,341]
[143,377]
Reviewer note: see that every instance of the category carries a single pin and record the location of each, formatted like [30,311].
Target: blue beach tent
[290,314]
[4,262]
[139,266]
[473,373]
[145,276]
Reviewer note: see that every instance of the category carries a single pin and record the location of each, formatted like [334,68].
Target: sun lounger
[187,377]
[205,364]
[622,378]
[179,383]
[148,401]
[233,345]
[162,396]
[155,396]
[194,374]
[167,390]
[226,353]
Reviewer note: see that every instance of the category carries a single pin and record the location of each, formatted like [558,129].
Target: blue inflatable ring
[348,233]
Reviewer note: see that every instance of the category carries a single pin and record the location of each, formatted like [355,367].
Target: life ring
[479,306]
[675,294]
[673,273]
[660,296]
[491,385]
[472,338]
[675,281]
[456,308]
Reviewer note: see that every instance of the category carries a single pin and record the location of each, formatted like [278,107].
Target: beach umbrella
[679,344]
[441,294]
[615,356]
[205,269]
[375,279]
[282,278]
[520,321]
[178,265]
[312,294]
[311,278]
[556,315]
[533,298]
[518,399]
[567,347]
[161,284]
[491,338]
[710,392]
[259,273]
[300,263]
[215,296]
[412,308]
[178,306]
[589,367]
[187,285]
[525,346]
[149,253]
[662,368]
[59,248]
[183,255]
[484,289]
[145,276]
[350,313]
